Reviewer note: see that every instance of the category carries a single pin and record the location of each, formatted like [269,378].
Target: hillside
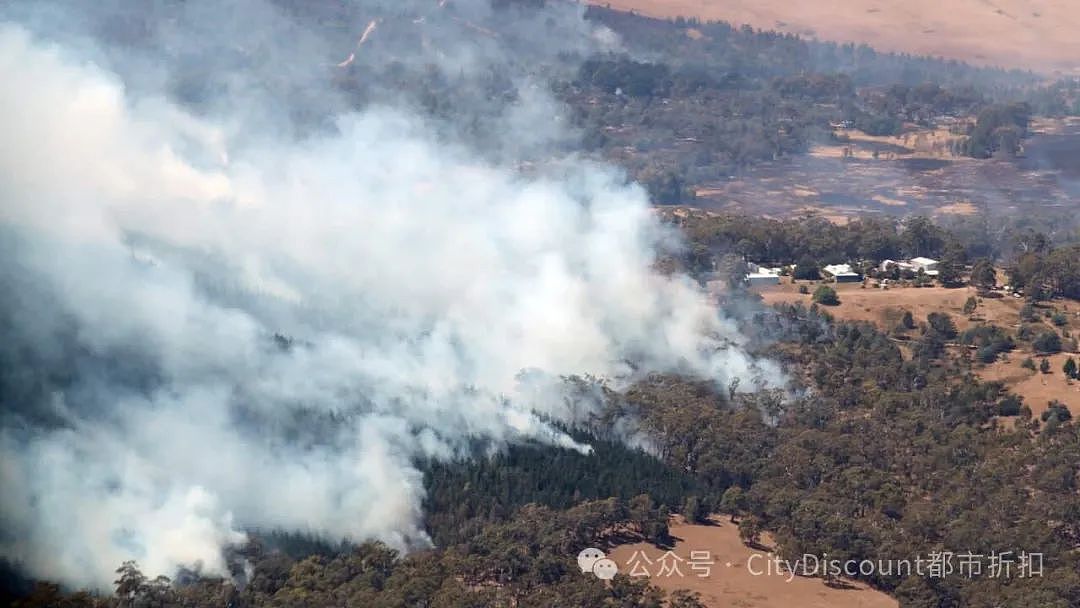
[736,577]
[1035,34]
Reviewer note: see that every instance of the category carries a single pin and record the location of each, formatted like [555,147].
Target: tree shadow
[840,584]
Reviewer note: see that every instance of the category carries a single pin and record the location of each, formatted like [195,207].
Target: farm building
[842,273]
[927,265]
[762,278]
[930,267]
[761,275]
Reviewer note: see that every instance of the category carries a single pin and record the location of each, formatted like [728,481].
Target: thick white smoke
[300,319]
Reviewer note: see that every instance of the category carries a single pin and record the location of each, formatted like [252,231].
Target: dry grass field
[884,308]
[1030,34]
[730,583]
[918,143]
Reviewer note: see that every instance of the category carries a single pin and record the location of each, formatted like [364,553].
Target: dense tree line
[1020,244]
[998,128]
[1045,273]
[493,488]
[702,107]
[812,240]
[723,46]
[880,455]
[526,561]
[939,474]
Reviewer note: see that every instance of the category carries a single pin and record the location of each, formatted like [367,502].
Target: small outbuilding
[842,273]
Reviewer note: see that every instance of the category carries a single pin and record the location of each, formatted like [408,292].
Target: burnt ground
[1045,181]
[841,188]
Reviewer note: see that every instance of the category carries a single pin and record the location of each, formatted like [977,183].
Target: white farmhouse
[842,273]
[761,275]
[928,266]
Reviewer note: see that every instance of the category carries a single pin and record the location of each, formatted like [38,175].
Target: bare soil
[1036,388]
[729,581]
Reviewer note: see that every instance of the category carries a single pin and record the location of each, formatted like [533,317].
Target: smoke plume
[218,314]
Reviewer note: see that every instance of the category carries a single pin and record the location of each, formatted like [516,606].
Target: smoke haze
[219,313]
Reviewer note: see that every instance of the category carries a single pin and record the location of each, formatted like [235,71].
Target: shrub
[1059,319]
[970,305]
[1047,342]
[1069,368]
[695,510]
[826,296]
[1010,406]
[1028,363]
[943,324]
[1058,411]
[908,321]
[986,354]
[803,289]
[1027,313]
[990,340]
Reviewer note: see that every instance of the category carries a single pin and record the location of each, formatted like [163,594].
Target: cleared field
[731,581]
[918,143]
[1030,34]
[884,308]
[1036,388]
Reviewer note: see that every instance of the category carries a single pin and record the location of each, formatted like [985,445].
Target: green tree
[1027,312]
[695,510]
[908,320]
[732,268]
[1047,342]
[733,502]
[921,237]
[951,265]
[1010,406]
[826,295]
[1069,368]
[1044,366]
[983,275]
[750,530]
[130,581]
[970,305]
[806,270]
[942,324]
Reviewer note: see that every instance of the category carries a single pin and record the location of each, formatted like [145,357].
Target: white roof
[772,272]
[923,261]
[839,269]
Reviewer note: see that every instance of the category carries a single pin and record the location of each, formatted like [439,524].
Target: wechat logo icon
[593,560]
